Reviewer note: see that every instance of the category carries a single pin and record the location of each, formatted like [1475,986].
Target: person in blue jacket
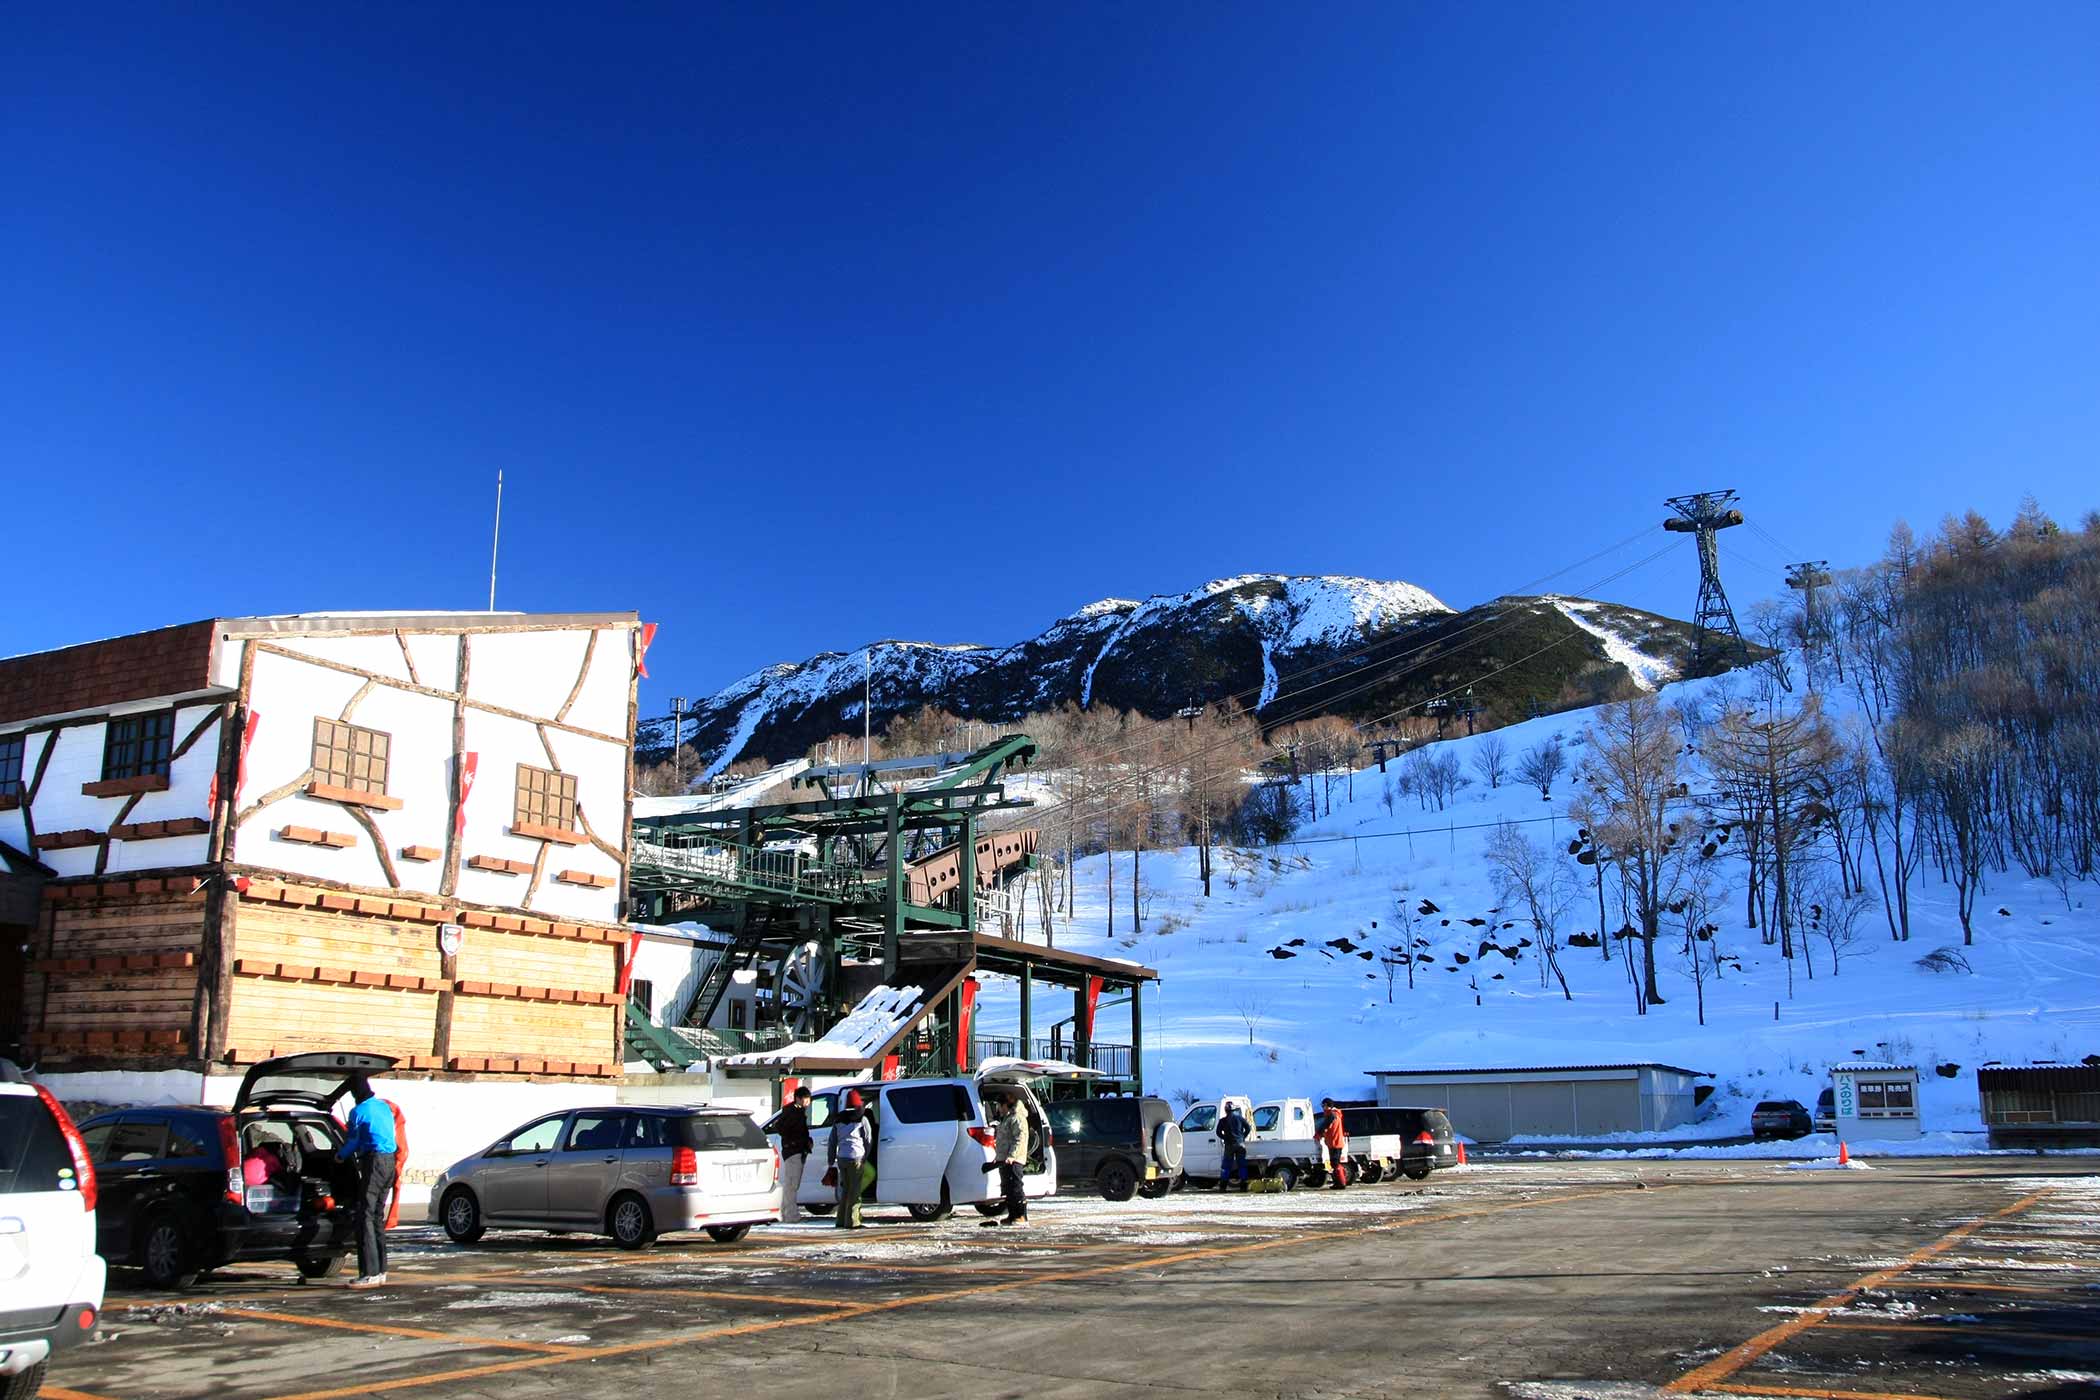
[369,1144]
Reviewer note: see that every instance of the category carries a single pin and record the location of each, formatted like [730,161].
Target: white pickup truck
[1281,1146]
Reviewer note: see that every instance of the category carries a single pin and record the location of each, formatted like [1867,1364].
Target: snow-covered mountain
[1288,646]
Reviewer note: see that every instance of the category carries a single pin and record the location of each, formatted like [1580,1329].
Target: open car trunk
[314,1080]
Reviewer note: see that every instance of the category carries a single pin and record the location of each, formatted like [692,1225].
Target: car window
[645,1130]
[596,1132]
[821,1107]
[97,1140]
[138,1140]
[1200,1119]
[186,1140]
[32,1150]
[1438,1122]
[315,1136]
[928,1103]
[1265,1117]
[537,1137]
[1069,1121]
[718,1132]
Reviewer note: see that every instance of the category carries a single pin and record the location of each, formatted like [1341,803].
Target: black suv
[1427,1141]
[1124,1146]
[175,1199]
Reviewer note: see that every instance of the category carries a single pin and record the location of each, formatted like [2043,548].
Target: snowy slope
[1322,1021]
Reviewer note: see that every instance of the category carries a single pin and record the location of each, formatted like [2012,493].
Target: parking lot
[1963,1278]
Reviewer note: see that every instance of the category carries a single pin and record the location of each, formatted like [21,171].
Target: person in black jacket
[795,1147]
[1233,1131]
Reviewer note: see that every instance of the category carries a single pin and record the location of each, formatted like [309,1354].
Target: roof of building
[1528,1069]
[177,661]
[1873,1066]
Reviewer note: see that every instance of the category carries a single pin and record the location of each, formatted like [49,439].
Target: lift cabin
[865,915]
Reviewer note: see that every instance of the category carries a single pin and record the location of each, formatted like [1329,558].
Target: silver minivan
[629,1171]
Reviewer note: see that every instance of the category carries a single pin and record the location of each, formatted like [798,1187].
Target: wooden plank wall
[536,1030]
[107,978]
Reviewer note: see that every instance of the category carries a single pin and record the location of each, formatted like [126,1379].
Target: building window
[738,1020]
[545,799]
[642,992]
[138,746]
[347,756]
[11,747]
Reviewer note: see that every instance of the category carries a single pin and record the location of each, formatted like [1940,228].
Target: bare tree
[1633,778]
[1527,873]
[1542,765]
[1253,1010]
[1491,759]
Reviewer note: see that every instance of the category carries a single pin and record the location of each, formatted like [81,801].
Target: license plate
[738,1175]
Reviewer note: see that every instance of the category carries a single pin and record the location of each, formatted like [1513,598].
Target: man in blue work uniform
[369,1143]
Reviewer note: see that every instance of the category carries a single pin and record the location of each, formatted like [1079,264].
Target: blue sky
[792,326]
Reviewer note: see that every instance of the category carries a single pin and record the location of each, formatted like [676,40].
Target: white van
[932,1140]
[50,1276]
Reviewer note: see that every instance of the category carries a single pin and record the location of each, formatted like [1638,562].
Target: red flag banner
[468,763]
[962,1024]
[1093,1003]
[240,764]
[641,649]
[634,946]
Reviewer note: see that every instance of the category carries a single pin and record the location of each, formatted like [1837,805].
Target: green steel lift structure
[877,878]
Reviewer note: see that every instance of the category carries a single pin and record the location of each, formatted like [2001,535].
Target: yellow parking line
[420,1334]
[59,1392]
[1945,1286]
[571,1286]
[1032,1280]
[1709,1376]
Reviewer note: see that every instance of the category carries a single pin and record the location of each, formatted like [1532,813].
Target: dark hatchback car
[1780,1118]
[175,1196]
[1428,1142]
[1122,1147]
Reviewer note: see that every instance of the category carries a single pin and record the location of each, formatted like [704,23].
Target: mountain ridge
[1289,645]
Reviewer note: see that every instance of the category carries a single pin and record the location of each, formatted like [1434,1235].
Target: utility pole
[677,738]
[1702,515]
[1189,713]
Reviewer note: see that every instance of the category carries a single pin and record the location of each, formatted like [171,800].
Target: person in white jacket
[1010,1159]
[848,1151]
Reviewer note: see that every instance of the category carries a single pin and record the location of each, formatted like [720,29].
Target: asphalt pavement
[1958,1279]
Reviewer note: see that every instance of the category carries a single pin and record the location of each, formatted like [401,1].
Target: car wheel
[462,1216]
[1154,1190]
[941,1210]
[1285,1176]
[727,1234]
[820,1208]
[1372,1172]
[988,1209]
[164,1253]
[1117,1181]
[1415,1171]
[627,1221]
[24,1385]
[320,1265]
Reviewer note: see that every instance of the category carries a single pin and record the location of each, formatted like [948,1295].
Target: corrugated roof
[1532,1069]
[1874,1066]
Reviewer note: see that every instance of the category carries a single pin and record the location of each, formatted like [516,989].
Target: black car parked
[174,1196]
[1427,1141]
[1124,1147]
[1780,1118]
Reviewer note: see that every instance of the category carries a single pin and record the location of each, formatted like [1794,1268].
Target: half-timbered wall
[553,699]
[69,819]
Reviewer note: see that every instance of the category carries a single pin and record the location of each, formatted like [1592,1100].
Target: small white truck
[1280,1148]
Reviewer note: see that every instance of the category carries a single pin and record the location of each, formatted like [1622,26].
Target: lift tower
[1715,633]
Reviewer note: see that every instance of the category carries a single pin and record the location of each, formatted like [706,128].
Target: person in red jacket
[1335,1138]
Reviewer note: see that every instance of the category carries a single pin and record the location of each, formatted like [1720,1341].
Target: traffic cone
[1461,1154]
[1844,1154]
